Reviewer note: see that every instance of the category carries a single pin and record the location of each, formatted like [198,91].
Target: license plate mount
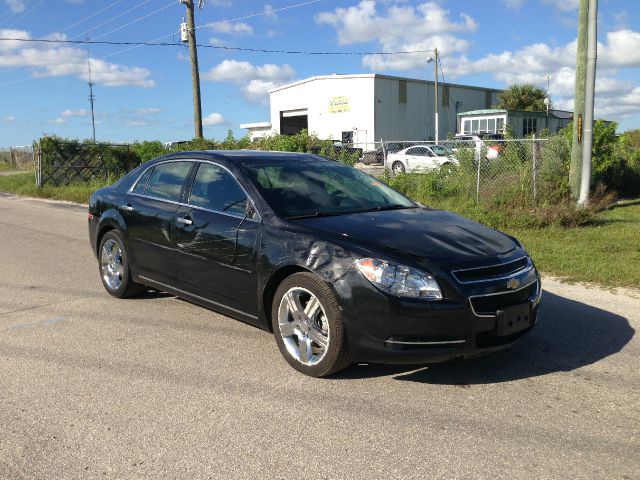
[513,319]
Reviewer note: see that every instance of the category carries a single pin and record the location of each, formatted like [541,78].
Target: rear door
[149,214]
[217,240]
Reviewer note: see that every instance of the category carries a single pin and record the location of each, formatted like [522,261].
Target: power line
[111,19]
[266,12]
[245,17]
[92,15]
[33,7]
[136,20]
[219,47]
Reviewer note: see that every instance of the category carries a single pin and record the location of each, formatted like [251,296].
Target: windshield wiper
[382,208]
[315,215]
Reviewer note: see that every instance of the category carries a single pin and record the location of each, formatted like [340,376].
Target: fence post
[478,179]
[384,154]
[37,164]
[536,151]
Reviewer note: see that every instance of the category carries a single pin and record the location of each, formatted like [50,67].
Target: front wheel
[114,267]
[308,327]
[397,168]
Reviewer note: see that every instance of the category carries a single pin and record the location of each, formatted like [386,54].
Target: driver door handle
[185,221]
[128,208]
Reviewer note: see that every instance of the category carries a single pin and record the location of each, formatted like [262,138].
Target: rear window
[166,180]
[215,189]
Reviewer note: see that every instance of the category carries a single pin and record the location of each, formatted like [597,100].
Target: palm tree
[526,97]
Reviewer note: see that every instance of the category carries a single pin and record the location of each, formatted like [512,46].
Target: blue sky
[145,93]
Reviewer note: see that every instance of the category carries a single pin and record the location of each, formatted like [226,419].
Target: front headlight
[399,280]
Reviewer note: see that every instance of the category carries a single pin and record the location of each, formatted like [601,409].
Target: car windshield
[441,150]
[299,189]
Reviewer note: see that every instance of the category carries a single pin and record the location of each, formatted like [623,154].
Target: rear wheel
[308,327]
[114,267]
[397,168]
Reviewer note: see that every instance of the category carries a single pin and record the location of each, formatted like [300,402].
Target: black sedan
[339,266]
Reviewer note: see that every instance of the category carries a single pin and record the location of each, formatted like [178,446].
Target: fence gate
[62,163]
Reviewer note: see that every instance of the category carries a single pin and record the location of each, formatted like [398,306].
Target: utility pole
[590,85]
[92,97]
[435,76]
[195,72]
[575,170]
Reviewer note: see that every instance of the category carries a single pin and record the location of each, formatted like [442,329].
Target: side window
[142,182]
[215,189]
[421,151]
[412,151]
[166,180]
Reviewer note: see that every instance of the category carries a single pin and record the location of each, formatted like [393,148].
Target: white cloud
[7,119]
[400,28]
[217,42]
[239,28]
[255,80]
[16,6]
[213,119]
[563,5]
[51,60]
[513,4]
[137,123]
[615,98]
[269,14]
[148,111]
[74,113]
[58,121]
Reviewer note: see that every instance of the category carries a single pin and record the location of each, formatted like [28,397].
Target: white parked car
[490,142]
[420,158]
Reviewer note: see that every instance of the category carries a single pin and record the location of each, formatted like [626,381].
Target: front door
[217,242]
[149,213]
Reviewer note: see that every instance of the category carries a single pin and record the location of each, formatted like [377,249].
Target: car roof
[244,157]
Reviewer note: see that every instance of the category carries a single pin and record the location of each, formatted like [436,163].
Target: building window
[499,125]
[466,127]
[402,91]
[529,126]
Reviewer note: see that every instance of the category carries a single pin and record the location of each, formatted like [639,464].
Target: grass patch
[605,252]
[7,167]
[24,184]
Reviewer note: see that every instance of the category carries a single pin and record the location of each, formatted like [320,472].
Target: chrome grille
[492,272]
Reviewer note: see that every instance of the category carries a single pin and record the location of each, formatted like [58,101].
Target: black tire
[397,167]
[336,354]
[126,287]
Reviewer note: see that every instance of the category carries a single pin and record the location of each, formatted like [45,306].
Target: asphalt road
[155,387]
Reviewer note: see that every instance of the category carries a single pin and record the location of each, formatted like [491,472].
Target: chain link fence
[19,158]
[482,170]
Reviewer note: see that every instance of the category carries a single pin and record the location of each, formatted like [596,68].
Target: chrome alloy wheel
[111,264]
[303,326]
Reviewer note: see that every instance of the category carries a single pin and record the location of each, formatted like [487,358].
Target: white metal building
[364,108]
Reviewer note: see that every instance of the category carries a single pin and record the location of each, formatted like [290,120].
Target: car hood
[436,235]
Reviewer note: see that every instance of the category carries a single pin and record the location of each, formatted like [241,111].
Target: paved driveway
[155,387]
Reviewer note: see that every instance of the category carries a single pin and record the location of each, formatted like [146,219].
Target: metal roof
[486,111]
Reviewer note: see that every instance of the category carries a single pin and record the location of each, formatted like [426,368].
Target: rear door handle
[185,221]
[128,208]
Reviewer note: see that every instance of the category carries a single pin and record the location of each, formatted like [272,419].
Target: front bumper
[384,329]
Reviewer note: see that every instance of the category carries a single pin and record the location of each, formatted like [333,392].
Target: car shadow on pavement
[569,335]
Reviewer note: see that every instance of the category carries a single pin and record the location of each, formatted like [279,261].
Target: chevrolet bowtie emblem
[513,283]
